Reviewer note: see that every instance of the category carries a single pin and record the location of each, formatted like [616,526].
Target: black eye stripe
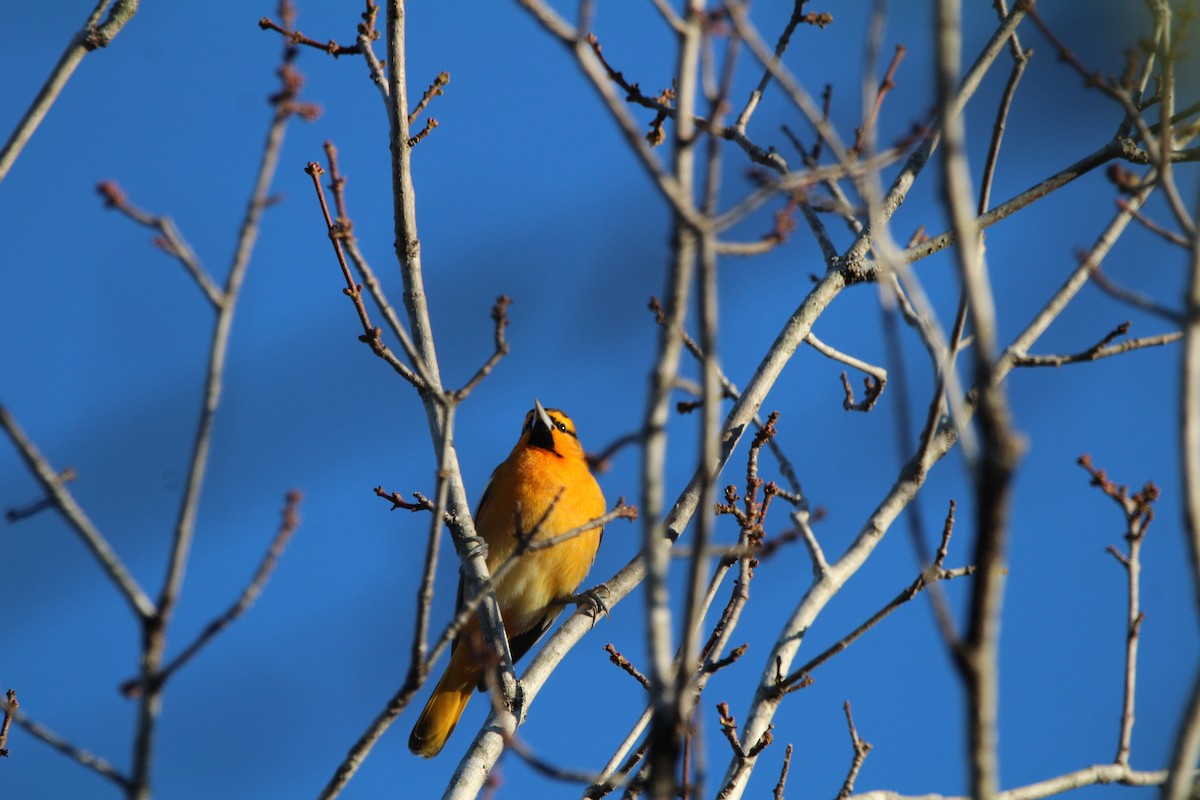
[557,417]
[559,423]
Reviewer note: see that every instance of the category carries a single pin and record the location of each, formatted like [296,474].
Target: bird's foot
[594,601]
[476,546]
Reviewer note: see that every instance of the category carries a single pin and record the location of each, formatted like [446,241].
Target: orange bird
[544,486]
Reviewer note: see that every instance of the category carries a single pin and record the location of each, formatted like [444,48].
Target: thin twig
[599,462]
[93,35]
[76,754]
[169,240]
[1154,227]
[1139,512]
[1020,61]
[886,85]
[53,485]
[10,706]
[623,761]
[1129,296]
[801,677]
[18,513]
[1113,150]
[435,89]
[249,595]
[783,773]
[664,110]
[775,70]
[1095,353]
[596,73]
[371,336]
[624,663]
[422,503]
[861,749]
[419,664]
[500,317]
[297,38]
[544,767]
[345,233]
[874,383]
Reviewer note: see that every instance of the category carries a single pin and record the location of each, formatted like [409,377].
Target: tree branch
[94,34]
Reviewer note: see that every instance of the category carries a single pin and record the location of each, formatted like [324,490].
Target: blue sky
[526,189]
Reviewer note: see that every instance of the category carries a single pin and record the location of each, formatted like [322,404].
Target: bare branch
[500,317]
[861,749]
[624,663]
[544,767]
[1154,227]
[53,484]
[249,595]
[422,503]
[345,233]
[76,754]
[886,85]
[874,383]
[170,240]
[434,90]
[1115,149]
[1088,776]
[93,35]
[297,38]
[1125,295]
[10,706]
[371,336]
[783,773]
[594,70]
[1101,349]
[801,677]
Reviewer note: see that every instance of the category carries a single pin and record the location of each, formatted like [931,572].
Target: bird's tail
[441,713]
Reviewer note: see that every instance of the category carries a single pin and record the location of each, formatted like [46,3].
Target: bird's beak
[541,433]
[540,411]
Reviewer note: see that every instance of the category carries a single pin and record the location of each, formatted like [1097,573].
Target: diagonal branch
[76,754]
[52,483]
[169,240]
[371,335]
[247,598]
[500,317]
[345,234]
[94,34]
[874,383]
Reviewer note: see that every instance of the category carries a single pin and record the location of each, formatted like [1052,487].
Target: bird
[542,490]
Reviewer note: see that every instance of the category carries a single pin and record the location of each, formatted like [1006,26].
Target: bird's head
[550,429]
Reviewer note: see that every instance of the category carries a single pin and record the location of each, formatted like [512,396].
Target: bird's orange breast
[546,495]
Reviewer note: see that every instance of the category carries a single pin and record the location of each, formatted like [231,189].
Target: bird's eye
[561,426]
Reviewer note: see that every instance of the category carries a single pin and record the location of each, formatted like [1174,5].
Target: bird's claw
[595,603]
[476,546]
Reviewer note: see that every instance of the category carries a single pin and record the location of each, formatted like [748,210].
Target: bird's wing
[521,643]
